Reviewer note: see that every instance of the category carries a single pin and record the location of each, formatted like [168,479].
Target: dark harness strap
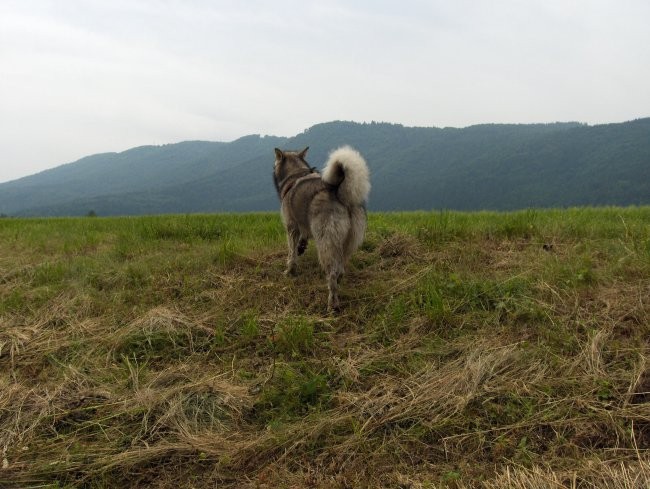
[286,185]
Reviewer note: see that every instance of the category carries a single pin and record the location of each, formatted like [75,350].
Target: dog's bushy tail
[347,170]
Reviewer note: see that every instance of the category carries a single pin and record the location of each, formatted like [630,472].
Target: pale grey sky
[79,77]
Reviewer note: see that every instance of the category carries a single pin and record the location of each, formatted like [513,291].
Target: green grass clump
[481,349]
[294,392]
[294,336]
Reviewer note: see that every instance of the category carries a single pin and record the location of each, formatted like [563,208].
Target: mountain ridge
[485,166]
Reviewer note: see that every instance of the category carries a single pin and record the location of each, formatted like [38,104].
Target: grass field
[490,350]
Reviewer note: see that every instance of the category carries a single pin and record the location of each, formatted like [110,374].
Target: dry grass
[469,354]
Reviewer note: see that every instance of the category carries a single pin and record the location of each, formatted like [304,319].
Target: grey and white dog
[330,208]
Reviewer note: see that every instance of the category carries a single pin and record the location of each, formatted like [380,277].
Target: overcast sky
[79,77]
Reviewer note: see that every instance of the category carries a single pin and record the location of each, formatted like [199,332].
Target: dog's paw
[291,272]
[333,307]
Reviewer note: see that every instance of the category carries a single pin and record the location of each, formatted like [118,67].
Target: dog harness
[286,187]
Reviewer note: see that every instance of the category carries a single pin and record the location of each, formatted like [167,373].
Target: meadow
[492,350]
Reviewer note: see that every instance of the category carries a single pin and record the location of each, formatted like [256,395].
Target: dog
[328,208]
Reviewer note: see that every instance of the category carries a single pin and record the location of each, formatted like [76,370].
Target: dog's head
[287,164]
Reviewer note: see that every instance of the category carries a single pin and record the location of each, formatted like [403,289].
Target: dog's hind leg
[331,259]
[333,278]
[330,255]
[293,240]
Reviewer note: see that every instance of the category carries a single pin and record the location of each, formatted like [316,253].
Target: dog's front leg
[293,240]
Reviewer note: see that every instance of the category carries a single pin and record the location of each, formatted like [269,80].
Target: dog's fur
[330,208]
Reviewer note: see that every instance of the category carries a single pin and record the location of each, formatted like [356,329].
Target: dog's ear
[279,155]
[303,153]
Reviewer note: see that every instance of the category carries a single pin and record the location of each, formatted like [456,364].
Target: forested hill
[492,166]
